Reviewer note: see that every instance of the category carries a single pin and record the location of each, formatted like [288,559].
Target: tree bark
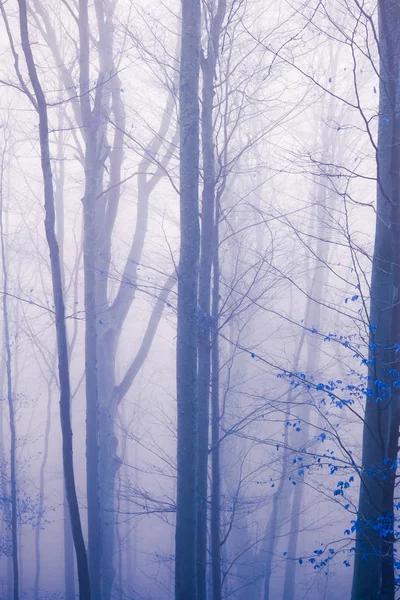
[111,316]
[187,331]
[36,585]
[373,569]
[215,425]
[39,103]
[91,121]
[11,409]
[208,65]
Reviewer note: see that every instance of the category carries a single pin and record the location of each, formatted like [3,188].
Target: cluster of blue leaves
[343,485]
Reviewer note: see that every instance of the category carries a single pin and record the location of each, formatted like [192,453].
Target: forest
[200,299]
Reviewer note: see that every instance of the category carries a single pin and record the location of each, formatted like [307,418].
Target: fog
[200,327]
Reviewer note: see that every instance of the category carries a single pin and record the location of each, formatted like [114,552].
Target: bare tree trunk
[11,408]
[39,102]
[204,349]
[374,569]
[119,530]
[112,315]
[91,120]
[69,565]
[3,484]
[215,426]
[119,544]
[59,193]
[208,65]
[36,585]
[130,529]
[187,333]
[3,374]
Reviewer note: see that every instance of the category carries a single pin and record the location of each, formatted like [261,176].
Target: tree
[10,393]
[374,561]
[214,18]
[187,332]
[38,101]
[102,119]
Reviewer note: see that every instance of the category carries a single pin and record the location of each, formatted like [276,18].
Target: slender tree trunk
[3,375]
[119,545]
[69,565]
[215,427]
[208,64]
[3,484]
[187,332]
[36,585]
[91,119]
[111,316]
[39,102]
[108,457]
[92,403]
[131,530]
[11,410]
[374,569]
[204,350]
[120,504]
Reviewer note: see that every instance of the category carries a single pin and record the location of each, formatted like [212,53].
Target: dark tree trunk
[69,566]
[36,585]
[91,121]
[11,410]
[215,427]
[39,103]
[187,333]
[374,570]
[204,356]
[208,64]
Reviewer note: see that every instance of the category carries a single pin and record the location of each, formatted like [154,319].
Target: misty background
[210,175]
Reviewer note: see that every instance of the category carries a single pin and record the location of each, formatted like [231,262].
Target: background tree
[187,311]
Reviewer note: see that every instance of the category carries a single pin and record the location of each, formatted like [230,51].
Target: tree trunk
[215,426]
[39,102]
[93,171]
[69,570]
[11,409]
[373,569]
[208,64]
[204,349]
[36,586]
[187,331]
[3,480]
[108,457]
